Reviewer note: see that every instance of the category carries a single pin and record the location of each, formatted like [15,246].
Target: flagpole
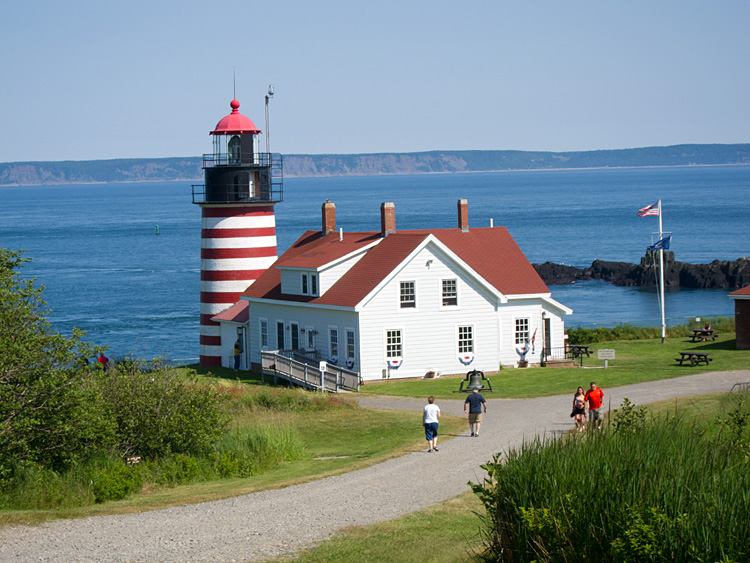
[661,279]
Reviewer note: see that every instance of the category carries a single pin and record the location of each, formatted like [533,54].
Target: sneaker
[472,434]
[437,450]
[429,451]
[477,434]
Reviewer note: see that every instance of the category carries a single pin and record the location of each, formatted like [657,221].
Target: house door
[547,337]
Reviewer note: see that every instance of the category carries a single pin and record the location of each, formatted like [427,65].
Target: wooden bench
[577,351]
[702,334]
[695,358]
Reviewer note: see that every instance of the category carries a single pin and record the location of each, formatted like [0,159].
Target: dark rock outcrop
[719,274]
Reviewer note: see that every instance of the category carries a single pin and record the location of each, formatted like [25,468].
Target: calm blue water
[105,271]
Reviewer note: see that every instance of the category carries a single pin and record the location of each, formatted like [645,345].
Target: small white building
[402,303]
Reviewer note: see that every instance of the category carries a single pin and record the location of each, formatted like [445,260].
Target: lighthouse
[238,225]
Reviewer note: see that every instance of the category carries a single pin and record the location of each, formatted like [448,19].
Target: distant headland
[719,274]
[432,162]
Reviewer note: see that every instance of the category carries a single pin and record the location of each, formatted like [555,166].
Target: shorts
[596,414]
[475,417]
[430,430]
[579,411]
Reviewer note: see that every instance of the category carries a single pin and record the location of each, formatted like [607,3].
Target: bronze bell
[475,379]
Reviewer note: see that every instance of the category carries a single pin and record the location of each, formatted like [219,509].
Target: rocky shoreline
[719,274]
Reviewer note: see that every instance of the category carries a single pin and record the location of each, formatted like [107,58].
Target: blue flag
[661,244]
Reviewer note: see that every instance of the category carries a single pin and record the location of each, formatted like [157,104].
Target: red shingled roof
[741,292]
[490,252]
[237,313]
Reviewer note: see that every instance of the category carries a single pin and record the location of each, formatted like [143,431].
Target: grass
[334,439]
[636,361]
[669,489]
[451,532]
[444,533]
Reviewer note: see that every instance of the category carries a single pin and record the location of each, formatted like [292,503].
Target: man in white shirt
[430,423]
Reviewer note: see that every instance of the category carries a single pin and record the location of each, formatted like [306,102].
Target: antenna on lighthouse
[234,83]
[268,135]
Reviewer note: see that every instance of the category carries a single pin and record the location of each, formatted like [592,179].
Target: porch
[303,368]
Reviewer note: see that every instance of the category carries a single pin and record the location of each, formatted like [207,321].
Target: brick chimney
[387,218]
[328,211]
[463,215]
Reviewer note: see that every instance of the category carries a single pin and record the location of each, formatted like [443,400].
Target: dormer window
[309,284]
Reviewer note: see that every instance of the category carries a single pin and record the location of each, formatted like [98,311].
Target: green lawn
[636,361]
[446,533]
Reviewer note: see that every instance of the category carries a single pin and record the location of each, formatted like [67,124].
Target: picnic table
[578,351]
[695,358]
[702,334]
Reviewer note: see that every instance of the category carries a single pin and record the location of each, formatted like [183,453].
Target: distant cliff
[716,275]
[300,165]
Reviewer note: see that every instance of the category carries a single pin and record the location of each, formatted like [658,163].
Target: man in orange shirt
[595,396]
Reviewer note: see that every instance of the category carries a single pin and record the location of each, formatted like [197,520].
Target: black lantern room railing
[229,180]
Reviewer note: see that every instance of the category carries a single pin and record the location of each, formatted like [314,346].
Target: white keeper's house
[400,303]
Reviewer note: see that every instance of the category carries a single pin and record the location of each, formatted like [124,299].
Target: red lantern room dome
[235,123]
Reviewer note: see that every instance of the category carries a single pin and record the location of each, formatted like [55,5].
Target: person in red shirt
[595,396]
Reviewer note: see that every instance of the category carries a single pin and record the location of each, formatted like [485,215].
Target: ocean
[104,269]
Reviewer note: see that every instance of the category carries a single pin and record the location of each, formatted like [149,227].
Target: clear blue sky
[98,79]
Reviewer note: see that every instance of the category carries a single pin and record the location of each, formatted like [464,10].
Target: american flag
[649,211]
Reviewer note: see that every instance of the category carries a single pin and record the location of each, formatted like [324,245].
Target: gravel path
[270,524]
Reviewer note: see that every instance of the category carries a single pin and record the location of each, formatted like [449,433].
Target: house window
[334,343]
[313,284]
[280,335]
[310,331]
[304,284]
[522,331]
[263,334]
[349,343]
[450,293]
[295,336]
[393,344]
[408,295]
[466,339]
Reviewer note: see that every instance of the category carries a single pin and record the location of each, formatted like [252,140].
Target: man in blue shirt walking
[475,403]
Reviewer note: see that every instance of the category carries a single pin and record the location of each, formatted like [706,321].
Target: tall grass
[664,491]
[246,450]
[632,332]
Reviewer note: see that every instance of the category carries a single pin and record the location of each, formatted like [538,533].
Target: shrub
[632,332]
[668,491]
[156,413]
[116,481]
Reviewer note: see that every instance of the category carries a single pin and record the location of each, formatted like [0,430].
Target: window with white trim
[333,342]
[313,284]
[466,339]
[295,336]
[393,344]
[408,295]
[522,331]
[310,331]
[280,344]
[263,334]
[350,343]
[304,284]
[450,293]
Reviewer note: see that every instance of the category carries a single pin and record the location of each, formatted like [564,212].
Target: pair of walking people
[476,405]
[594,397]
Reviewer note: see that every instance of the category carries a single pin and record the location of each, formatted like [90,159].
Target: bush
[665,490]
[156,413]
[632,332]
[116,481]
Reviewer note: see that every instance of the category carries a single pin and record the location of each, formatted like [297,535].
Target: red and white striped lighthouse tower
[238,235]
